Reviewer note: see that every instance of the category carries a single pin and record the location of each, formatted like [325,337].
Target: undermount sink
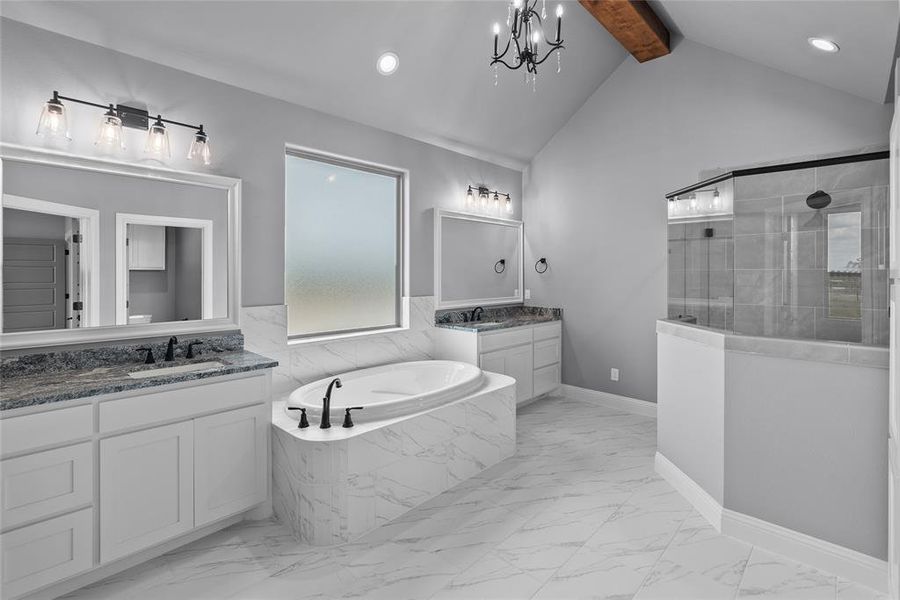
[163,371]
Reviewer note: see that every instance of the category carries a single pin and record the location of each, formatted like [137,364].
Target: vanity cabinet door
[516,362]
[231,463]
[146,488]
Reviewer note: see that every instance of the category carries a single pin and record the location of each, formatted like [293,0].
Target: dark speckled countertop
[496,317]
[486,325]
[67,384]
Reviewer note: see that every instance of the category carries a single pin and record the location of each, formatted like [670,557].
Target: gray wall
[248,133]
[595,194]
[806,447]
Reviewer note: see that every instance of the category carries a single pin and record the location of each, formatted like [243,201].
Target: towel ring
[541,261]
[500,266]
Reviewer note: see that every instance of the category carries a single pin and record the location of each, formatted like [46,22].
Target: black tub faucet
[170,349]
[326,403]
[476,312]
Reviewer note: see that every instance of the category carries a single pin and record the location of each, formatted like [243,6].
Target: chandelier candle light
[523,48]
[110,136]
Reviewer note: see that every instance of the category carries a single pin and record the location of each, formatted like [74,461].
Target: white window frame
[402,174]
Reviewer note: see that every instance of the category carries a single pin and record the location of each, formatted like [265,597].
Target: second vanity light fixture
[488,200]
[110,136]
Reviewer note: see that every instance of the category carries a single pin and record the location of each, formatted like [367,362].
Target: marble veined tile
[771,577]
[491,577]
[849,590]
[698,564]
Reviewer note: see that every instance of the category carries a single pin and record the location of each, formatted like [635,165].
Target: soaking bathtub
[426,426]
[390,390]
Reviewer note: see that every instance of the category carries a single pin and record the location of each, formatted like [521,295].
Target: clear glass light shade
[470,198]
[509,206]
[158,141]
[199,150]
[53,122]
[109,133]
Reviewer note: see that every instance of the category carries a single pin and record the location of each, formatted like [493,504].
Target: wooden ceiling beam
[634,24]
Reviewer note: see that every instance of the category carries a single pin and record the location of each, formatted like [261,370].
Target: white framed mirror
[68,275]
[477,260]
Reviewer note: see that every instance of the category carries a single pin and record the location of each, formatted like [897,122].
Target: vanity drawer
[41,484]
[20,434]
[546,352]
[183,403]
[546,379]
[505,339]
[46,552]
[546,331]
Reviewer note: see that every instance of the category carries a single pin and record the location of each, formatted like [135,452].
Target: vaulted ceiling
[322,55]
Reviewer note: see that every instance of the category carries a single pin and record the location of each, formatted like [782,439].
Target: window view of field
[844,279]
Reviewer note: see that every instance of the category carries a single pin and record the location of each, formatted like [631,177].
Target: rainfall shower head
[818,199]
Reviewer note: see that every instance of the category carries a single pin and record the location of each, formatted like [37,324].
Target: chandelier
[526,37]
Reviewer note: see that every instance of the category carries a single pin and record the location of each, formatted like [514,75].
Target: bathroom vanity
[530,351]
[132,468]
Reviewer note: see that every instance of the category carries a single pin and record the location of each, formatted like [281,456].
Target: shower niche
[795,250]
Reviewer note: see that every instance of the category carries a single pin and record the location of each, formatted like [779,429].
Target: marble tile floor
[578,512]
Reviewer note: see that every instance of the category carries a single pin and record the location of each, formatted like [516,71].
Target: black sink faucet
[476,312]
[326,403]
[170,349]
[190,350]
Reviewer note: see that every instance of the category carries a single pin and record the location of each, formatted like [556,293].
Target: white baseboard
[699,498]
[623,403]
[815,552]
[800,547]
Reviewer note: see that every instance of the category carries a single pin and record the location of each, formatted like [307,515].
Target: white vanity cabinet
[531,354]
[89,489]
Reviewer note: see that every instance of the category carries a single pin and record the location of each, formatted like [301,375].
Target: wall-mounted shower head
[818,199]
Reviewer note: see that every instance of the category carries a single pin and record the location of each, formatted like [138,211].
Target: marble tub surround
[800,349]
[496,317]
[37,361]
[334,485]
[60,385]
[265,332]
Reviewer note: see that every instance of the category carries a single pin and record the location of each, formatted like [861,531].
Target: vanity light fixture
[824,44]
[485,196]
[110,134]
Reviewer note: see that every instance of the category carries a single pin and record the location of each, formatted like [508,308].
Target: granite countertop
[67,384]
[488,325]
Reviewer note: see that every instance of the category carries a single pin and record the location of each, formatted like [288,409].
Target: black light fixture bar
[136,118]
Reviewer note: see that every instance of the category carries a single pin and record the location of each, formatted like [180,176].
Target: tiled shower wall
[781,274]
[265,332]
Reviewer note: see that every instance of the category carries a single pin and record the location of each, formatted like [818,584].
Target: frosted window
[342,247]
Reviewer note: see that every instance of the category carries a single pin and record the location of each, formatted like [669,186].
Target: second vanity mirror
[97,250]
[478,260]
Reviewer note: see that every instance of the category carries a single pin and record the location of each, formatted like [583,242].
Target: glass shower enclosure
[797,250]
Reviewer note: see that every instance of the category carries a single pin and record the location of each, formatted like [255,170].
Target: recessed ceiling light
[388,63]
[823,44]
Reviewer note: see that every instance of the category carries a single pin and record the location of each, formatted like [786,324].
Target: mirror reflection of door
[165,273]
[41,271]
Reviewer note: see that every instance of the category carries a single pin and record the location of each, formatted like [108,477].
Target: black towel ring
[541,261]
[500,266]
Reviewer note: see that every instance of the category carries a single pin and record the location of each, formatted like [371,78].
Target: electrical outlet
[527,294]
[614,374]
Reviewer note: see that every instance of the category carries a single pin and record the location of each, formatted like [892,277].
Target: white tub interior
[390,390]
